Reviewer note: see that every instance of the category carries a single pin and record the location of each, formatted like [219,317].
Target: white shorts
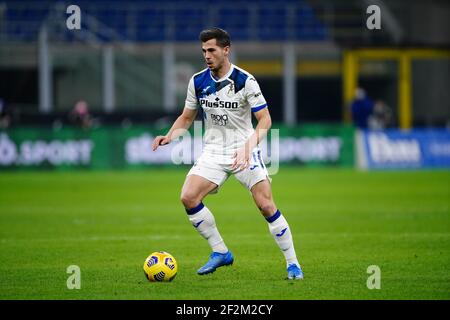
[217,169]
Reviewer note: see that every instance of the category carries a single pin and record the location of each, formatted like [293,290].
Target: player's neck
[220,73]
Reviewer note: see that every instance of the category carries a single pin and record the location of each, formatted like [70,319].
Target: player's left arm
[242,156]
[264,125]
[259,108]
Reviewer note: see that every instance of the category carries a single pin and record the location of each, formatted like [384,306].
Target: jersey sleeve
[191,99]
[254,95]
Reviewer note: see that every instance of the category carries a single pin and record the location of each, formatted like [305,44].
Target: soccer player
[228,96]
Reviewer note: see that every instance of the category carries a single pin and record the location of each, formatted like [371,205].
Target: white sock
[203,220]
[281,232]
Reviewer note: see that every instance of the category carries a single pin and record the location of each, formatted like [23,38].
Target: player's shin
[281,232]
[203,220]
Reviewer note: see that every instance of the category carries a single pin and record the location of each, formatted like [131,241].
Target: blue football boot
[294,272]
[216,260]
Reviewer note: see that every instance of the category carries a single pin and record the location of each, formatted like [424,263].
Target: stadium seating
[149,21]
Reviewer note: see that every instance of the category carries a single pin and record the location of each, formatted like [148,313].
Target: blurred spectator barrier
[396,149]
[123,148]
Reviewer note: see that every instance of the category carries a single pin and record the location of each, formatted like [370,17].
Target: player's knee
[189,200]
[267,208]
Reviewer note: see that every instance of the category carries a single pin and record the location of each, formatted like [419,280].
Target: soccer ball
[160,266]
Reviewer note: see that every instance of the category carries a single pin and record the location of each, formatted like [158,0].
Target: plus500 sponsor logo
[218,104]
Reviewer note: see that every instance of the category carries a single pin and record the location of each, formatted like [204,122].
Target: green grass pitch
[342,221]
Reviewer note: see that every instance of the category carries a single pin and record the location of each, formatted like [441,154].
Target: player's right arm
[183,122]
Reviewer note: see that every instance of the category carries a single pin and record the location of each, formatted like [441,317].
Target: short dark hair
[222,37]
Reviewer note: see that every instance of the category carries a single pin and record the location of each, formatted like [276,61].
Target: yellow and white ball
[160,266]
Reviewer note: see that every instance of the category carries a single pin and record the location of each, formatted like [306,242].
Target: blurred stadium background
[94,99]
[129,64]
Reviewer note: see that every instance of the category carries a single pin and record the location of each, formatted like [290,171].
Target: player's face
[214,55]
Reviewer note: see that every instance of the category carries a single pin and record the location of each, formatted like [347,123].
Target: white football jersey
[227,105]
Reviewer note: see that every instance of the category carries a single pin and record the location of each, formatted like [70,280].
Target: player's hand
[160,141]
[241,159]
